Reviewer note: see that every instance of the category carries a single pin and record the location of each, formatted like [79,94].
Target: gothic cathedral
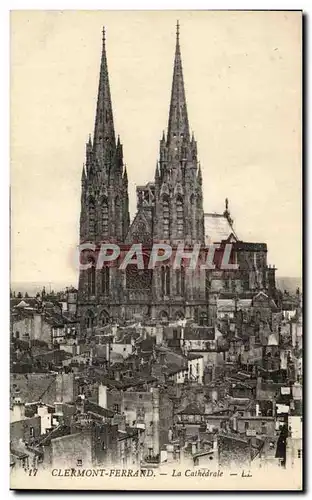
[169,210]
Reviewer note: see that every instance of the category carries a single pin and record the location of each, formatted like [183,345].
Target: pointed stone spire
[157,176]
[125,176]
[83,175]
[104,133]
[178,120]
[118,167]
[89,155]
[119,150]
[199,176]
[125,204]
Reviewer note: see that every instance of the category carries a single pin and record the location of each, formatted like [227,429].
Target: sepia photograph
[156,337]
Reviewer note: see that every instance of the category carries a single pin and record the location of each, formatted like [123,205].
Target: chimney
[18,410]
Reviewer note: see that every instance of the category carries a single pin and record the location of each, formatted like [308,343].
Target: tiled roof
[147,344]
[191,357]
[173,369]
[61,430]
[55,356]
[30,302]
[217,228]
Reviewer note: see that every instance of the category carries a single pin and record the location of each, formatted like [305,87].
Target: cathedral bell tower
[104,189]
[178,180]
[104,213]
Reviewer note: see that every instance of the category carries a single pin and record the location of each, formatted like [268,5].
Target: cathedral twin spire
[105,204]
[104,143]
[178,125]
[104,170]
[106,153]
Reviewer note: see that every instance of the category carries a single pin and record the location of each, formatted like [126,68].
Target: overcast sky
[242,74]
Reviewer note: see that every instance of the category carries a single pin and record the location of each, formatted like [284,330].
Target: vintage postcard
[156,299]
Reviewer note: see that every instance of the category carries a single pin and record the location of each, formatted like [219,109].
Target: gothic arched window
[91,219]
[91,279]
[203,319]
[163,316]
[180,217]
[193,220]
[117,214]
[89,320]
[165,280]
[179,316]
[207,284]
[105,272]
[105,218]
[180,281]
[165,218]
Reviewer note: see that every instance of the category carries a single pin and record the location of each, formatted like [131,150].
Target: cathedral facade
[169,210]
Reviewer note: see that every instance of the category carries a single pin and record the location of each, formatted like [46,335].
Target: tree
[19,295]
[26,296]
